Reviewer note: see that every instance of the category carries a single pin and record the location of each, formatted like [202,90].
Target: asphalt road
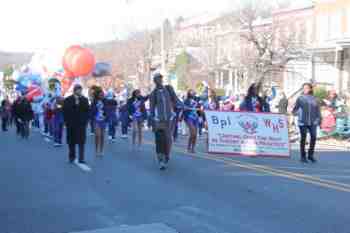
[42,193]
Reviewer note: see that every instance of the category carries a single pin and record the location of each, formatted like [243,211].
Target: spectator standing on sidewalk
[5,112]
[308,111]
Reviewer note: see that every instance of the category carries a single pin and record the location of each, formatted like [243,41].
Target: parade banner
[248,134]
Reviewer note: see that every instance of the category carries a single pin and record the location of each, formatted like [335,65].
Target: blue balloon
[21,88]
[24,81]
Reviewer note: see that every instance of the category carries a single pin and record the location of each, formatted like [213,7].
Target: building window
[335,25]
[322,27]
[308,32]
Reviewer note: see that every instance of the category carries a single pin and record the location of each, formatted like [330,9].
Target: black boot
[303,159]
[312,159]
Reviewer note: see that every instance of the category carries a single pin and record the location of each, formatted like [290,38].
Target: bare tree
[267,43]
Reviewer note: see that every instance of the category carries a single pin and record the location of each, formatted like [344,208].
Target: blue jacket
[308,111]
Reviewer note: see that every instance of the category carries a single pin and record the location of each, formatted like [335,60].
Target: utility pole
[163,54]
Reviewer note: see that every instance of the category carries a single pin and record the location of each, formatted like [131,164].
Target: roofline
[284,11]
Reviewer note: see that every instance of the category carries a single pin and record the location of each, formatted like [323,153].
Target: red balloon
[69,53]
[33,91]
[83,62]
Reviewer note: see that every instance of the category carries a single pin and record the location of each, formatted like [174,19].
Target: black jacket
[76,119]
[23,110]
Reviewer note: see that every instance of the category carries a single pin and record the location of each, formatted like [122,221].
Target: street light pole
[163,55]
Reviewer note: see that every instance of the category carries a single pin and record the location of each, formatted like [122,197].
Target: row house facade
[321,31]
[331,44]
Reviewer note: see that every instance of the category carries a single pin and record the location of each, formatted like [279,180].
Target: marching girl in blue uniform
[100,119]
[138,114]
[192,119]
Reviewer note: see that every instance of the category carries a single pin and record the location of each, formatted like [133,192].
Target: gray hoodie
[308,110]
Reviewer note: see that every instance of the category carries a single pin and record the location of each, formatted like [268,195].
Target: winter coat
[76,119]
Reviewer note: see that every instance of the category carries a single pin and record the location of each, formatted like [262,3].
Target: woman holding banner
[192,119]
[253,102]
[309,118]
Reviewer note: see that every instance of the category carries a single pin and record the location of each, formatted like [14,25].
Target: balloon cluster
[29,85]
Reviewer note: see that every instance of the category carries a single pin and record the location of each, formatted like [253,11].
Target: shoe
[110,138]
[82,162]
[303,160]
[114,140]
[161,165]
[57,145]
[312,159]
[71,161]
[159,158]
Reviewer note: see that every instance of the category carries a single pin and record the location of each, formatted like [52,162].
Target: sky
[35,25]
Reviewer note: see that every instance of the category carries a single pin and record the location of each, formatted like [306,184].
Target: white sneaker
[110,138]
[57,145]
[161,165]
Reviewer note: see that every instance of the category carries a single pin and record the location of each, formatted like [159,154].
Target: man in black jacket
[76,116]
[163,102]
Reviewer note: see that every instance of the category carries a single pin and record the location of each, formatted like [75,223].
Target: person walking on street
[192,119]
[163,101]
[76,116]
[58,121]
[137,114]
[100,117]
[24,114]
[307,109]
[111,111]
[124,119]
[5,114]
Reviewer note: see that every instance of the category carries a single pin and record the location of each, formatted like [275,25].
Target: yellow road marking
[269,170]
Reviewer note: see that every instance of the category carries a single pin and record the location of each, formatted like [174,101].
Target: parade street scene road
[41,192]
[164,116]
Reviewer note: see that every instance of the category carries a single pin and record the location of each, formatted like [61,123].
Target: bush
[320,93]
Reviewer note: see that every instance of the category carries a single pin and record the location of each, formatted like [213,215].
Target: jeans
[313,136]
[23,129]
[92,126]
[58,131]
[4,123]
[124,129]
[111,127]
